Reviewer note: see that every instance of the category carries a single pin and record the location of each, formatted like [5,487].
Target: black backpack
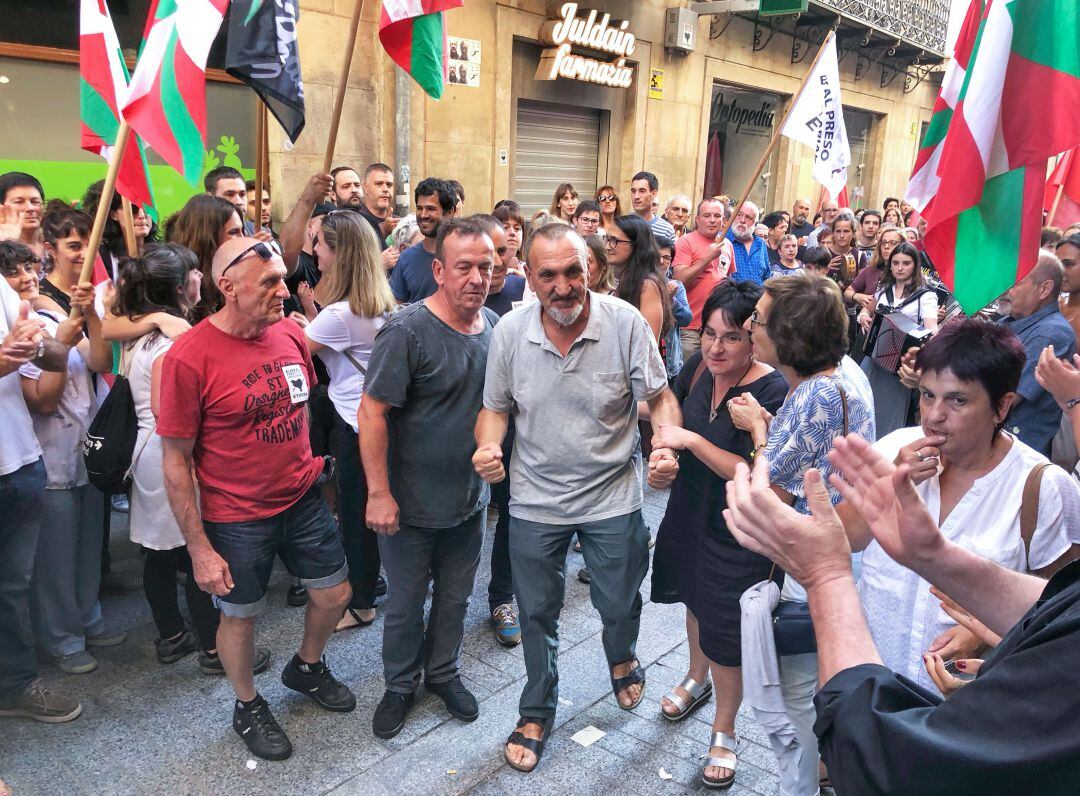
[110,440]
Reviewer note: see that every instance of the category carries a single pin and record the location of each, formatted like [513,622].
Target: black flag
[262,52]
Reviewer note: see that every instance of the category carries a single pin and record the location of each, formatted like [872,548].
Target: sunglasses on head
[264,251]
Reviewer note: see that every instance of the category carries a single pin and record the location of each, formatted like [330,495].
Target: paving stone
[151,729]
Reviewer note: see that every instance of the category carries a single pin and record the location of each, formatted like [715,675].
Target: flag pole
[775,139]
[127,221]
[1054,207]
[343,83]
[102,215]
[261,145]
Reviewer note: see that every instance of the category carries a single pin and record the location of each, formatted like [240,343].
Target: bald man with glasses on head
[233,413]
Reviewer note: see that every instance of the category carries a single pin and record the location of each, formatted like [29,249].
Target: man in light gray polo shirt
[571,369]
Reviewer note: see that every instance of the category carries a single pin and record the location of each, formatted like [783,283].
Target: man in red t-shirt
[701,263]
[233,395]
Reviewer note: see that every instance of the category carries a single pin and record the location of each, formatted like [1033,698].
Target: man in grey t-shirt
[571,369]
[423,390]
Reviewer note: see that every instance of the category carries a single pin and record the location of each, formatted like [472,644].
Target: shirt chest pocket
[610,396]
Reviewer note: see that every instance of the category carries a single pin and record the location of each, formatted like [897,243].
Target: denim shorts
[304,535]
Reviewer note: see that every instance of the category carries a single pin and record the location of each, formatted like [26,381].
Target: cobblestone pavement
[148,728]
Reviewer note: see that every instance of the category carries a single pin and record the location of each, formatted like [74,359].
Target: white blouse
[904,617]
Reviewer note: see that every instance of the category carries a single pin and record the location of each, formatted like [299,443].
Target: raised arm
[294,230]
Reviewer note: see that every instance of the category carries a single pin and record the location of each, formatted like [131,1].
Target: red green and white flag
[166,101]
[413,32]
[984,214]
[102,86]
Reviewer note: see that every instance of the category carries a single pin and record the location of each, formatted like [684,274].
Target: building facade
[698,116]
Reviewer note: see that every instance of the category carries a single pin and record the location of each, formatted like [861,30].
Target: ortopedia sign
[594,31]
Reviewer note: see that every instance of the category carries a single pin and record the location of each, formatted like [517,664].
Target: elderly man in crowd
[1036,319]
[233,411]
[701,263]
[751,252]
[570,370]
[1010,730]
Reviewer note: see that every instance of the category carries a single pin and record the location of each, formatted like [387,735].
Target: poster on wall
[464,61]
[740,126]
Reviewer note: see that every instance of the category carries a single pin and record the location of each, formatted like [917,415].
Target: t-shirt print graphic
[298,387]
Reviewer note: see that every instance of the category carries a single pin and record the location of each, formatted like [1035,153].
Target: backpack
[110,439]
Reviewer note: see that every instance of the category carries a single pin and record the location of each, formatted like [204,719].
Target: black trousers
[159,583]
[361,543]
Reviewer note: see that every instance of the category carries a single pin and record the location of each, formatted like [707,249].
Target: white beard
[565,317]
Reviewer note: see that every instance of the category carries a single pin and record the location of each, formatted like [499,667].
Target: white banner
[817,120]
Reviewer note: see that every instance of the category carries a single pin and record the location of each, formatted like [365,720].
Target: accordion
[891,335]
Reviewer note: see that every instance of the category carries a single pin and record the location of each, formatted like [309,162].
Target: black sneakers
[297,596]
[390,714]
[172,650]
[211,664]
[260,730]
[316,681]
[457,698]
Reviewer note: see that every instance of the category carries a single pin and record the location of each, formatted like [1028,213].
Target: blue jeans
[304,535]
[67,570]
[21,493]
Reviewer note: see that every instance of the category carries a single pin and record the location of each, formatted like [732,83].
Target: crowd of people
[863,510]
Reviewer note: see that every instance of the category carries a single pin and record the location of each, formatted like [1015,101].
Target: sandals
[354,613]
[728,761]
[699,695]
[619,684]
[534,745]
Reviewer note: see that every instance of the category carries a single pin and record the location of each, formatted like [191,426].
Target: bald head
[1048,268]
[229,251]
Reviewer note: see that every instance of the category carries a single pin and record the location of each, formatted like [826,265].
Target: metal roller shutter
[555,144]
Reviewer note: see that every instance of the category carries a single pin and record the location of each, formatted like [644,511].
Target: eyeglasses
[588,222]
[665,259]
[606,198]
[729,338]
[755,322]
[264,251]
[611,241]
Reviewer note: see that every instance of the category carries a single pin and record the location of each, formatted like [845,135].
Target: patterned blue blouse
[803,430]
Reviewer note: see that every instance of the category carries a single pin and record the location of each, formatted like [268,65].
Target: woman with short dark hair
[973,476]
[800,326]
[697,562]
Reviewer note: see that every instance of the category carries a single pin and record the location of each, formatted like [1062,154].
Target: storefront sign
[746,120]
[594,31]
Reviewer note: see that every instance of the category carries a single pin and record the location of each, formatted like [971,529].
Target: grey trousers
[67,569]
[412,557]
[616,551]
[798,680]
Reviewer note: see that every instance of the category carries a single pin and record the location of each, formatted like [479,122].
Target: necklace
[713,411]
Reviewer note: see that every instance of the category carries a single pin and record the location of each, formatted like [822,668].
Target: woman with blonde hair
[564,203]
[357,303]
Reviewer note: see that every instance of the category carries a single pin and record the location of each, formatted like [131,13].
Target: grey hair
[557,231]
[1048,268]
[679,197]
[405,231]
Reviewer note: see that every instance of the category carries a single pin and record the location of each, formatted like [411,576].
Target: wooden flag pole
[1054,207]
[127,223]
[343,83]
[102,215]
[775,139]
[261,144]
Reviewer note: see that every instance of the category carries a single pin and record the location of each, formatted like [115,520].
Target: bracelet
[1071,404]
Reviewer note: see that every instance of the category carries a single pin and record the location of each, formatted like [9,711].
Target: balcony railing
[921,23]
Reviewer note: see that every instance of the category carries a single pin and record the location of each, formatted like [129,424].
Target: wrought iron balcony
[919,24]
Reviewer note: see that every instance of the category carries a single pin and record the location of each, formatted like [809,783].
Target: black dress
[697,561]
